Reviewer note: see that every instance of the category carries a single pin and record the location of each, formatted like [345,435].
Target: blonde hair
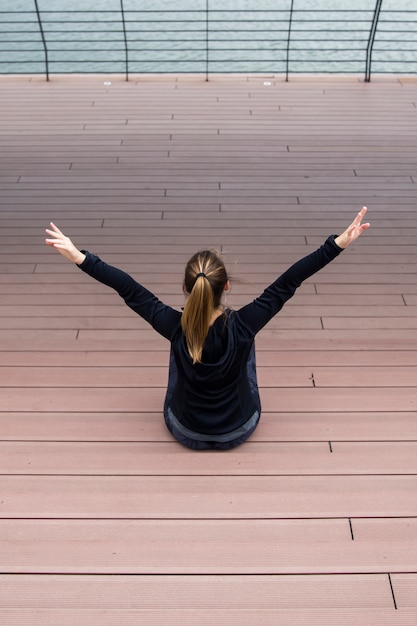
[204,282]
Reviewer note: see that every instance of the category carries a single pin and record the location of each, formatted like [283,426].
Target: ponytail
[205,278]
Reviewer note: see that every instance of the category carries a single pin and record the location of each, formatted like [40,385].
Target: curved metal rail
[209,39]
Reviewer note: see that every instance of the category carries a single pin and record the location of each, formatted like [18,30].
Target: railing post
[125,40]
[45,47]
[207,40]
[371,40]
[287,64]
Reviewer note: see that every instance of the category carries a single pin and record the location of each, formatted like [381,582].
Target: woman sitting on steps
[212,399]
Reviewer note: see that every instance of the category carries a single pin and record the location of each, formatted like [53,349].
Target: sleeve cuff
[83,264]
[334,244]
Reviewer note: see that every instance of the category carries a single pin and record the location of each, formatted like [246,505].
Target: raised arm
[163,318]
[258,313]
[64,245]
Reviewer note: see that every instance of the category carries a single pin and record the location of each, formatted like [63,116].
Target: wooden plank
[76,358]
[355,400]
[195,593]
[337,426]
[132,325]
[372,323]
[390,529]
[154,458]
[337,360]
[149,426]
[317,359]
[83,426]
[276,333]
[303,399]
[207,497]
[191,547]
[83,376]
[267,341]
[334,316]
[211,617]
[374,376]
[135,376]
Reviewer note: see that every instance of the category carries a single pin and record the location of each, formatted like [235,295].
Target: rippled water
[233,36]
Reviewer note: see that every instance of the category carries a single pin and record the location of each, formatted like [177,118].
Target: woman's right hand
[64,245]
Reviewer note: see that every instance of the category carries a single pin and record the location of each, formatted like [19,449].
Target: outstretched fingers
[54,232]
[356,228]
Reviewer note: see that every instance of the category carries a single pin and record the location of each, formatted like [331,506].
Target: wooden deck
[104,519]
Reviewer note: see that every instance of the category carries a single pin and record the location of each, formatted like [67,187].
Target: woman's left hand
[64,245]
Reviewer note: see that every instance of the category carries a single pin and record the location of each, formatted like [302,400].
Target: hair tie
[200,274]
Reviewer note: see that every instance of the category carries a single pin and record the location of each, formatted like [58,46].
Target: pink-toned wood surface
[104,519]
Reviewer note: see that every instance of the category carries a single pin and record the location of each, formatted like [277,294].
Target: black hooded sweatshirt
[215,396]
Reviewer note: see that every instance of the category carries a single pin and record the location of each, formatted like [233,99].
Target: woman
[212,400]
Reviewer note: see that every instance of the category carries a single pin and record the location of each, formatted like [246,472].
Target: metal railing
[208,39]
